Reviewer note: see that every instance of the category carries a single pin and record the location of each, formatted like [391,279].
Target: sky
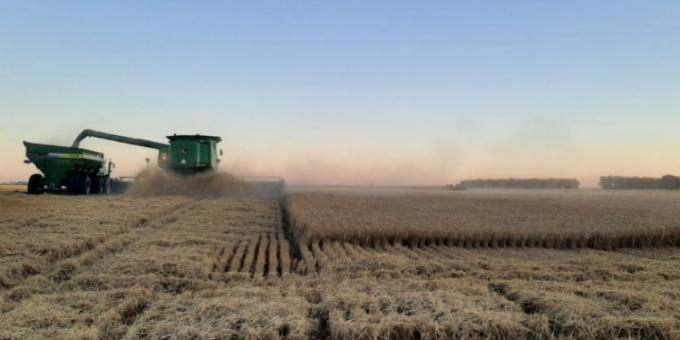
[352,92]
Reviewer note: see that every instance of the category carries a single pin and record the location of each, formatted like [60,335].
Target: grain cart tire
[85,185]
[79,185]
[35,184]
[101,185]
[106,185]
[72,185]
[95,185]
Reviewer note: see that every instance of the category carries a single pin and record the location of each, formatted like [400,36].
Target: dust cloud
[156,182]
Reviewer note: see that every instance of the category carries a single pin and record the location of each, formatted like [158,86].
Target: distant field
[489,218]
[12,188]
[170,267]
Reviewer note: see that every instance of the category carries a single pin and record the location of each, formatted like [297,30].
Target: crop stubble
[222,268]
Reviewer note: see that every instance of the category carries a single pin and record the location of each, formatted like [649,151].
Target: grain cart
[81,171]
[76,170]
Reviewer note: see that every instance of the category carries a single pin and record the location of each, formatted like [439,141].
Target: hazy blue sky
[353,92]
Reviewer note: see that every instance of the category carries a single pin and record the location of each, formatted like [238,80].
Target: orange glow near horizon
[392,167]
[415,164]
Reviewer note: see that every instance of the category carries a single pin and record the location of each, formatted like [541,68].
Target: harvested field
[489,218]
[178,268]
[12,188]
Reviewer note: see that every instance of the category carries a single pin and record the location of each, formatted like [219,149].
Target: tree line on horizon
[667,182]
[516,183]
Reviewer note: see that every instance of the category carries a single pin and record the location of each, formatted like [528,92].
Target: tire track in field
[118,322]
[286,259]
[293,244]
[272,258]
[275,253]
[269,253]
[255,255]
[279,258]
[63,271]
[120,319]
[244,255]
[214,263]
[60,269]
[263,255]
[229,261]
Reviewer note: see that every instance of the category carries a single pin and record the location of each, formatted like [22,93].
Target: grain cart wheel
[95,186]
[106,185]
[36,184]
[79,185]
[72,184]
[85,185]
[101,185]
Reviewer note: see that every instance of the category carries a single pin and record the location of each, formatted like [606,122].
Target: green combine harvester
[81,171]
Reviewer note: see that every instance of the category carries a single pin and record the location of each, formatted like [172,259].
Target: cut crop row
[473,220]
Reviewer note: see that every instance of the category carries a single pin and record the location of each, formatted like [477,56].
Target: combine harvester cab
[67,169]
[190,154]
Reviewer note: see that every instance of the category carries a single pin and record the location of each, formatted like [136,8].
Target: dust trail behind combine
[213,184]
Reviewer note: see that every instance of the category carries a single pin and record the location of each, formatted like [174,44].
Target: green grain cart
[81,171]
